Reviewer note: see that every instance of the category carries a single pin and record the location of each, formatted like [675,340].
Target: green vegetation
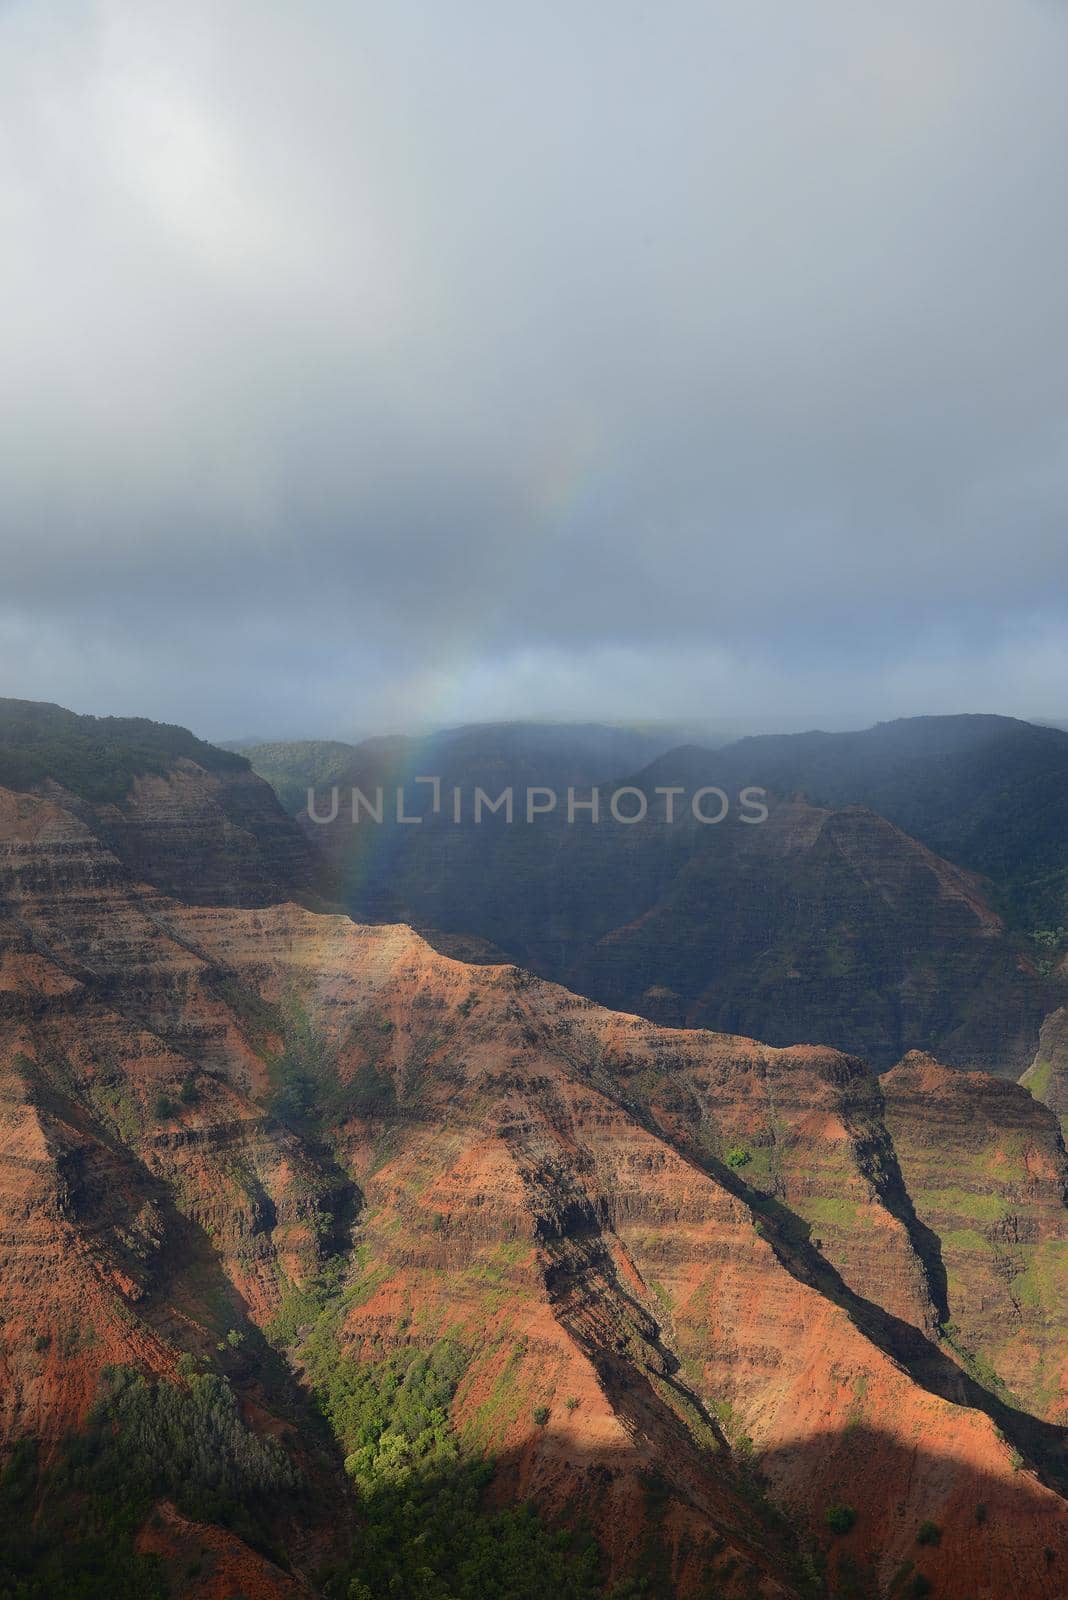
[114,1104]
[306,1092]
[833,1211]
[186,1441]
[965,1240]
[973,1362]
[739,1156]
[260,1020]
[1037,1079]
[423,1528]
[1050,945]
[297,1070]
[96,758]
[144,1441]
[540,1415]
[839,1518]
[301,1307]
[858,1408]
[929,1533]
[961,1203]
[1044,1284]
[691,1413]
[371,1093]
[661,1293]
[424,1531]
[391,1417]
[86,1552]
[291,768]
[501,1406]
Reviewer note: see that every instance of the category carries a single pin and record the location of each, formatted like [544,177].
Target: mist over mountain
[990,793]
[557,754]
[854,916]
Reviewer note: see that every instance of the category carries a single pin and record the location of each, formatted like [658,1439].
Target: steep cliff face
[1047,1076]
[202,1562]
[213,838]
[986,1171]
[65,1287]
[148,1208]
[194,821]
[131,1025]
[801,1131]
[690,1287]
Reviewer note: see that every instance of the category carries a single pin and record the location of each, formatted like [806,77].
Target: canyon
[759,1320]
[825,923]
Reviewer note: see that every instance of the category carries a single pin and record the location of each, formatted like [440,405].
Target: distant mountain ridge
[826,924]
[988,792]
[290,767]
[539,753]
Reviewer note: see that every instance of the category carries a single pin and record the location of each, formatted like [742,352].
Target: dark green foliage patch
[96,758]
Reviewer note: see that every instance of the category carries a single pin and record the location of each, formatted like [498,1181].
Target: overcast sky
[372,365]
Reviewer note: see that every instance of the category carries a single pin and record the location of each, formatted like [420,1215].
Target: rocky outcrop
[1047,1076]
[986,1173]
[192,820]
[207,1563]
[214,838]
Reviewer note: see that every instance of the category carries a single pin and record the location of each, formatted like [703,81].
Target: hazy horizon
[718,731]
[715,731]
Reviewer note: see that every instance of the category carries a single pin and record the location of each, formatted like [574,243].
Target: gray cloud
[409,362]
